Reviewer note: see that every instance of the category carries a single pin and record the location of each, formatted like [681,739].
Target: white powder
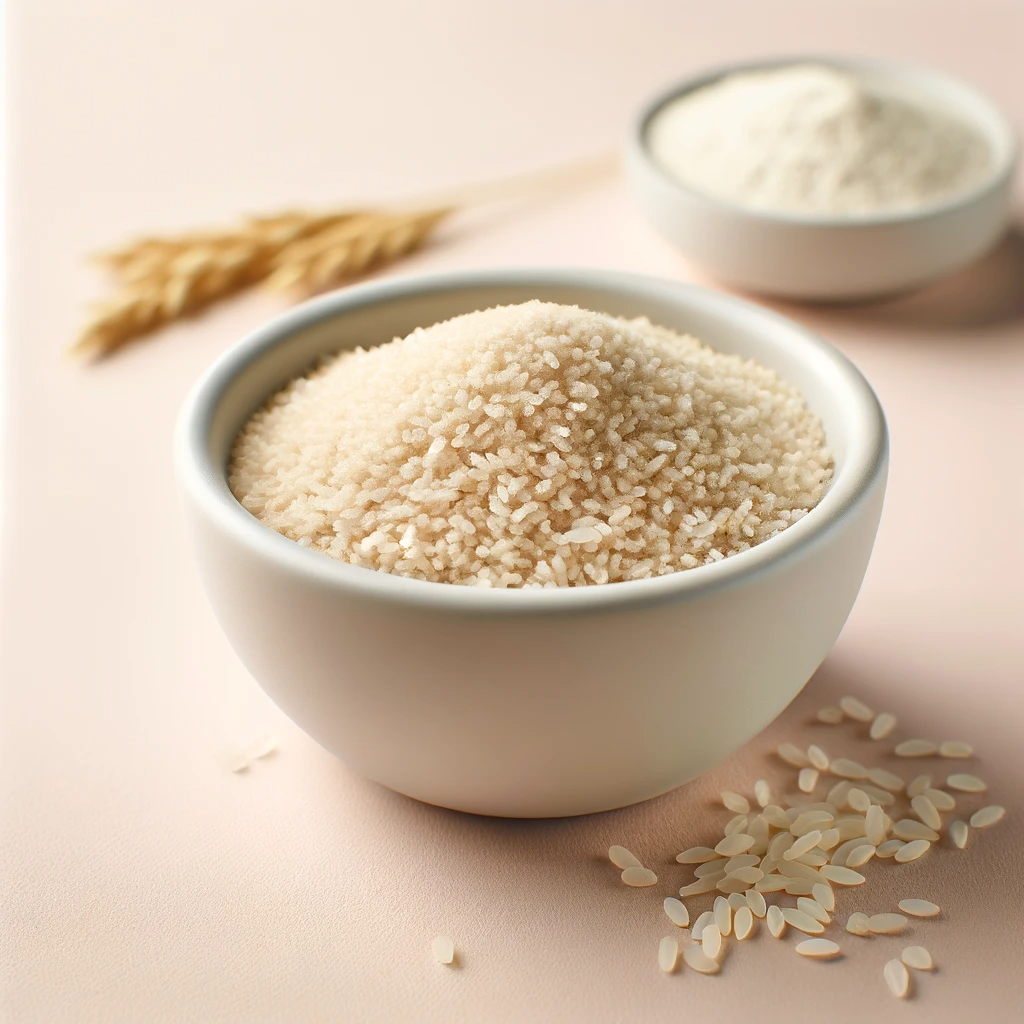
[815,140]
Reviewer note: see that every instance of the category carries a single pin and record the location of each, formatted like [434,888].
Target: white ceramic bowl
[531,702]
[840,258]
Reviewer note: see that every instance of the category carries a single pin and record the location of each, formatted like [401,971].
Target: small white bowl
[531,702]
[833,258]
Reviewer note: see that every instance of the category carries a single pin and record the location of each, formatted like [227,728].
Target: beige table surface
[139,881]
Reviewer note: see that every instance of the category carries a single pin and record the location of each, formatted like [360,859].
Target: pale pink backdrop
[140,882]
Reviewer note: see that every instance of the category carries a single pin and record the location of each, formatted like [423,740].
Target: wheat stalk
[163,279]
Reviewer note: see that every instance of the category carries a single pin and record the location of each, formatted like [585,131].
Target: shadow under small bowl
[531,702]
[839,258]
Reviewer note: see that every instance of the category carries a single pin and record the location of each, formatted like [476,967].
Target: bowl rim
[202,481]
[998,179]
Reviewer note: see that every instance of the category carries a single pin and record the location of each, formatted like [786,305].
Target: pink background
[139,881]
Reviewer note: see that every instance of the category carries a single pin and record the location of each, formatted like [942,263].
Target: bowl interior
[376,313]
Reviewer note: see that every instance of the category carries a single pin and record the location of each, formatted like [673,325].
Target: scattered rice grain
[743,925]
[926,811]
[911,830]
[639,876]
[443,949]
[694,855]
[919,908]
[897,977]
[846,768]
[942,800]
[756,902]
[889,848]
[776,921]
[823,894]
[860,855]
[802,921]
[668,953]
[736,803]
[762,793]
[886,924]
[958,834]
[886,779]
[918,784]
[622,858]
[966,783]
[711,941]
[912,851]
[841,876]
[918,957]
[987,816]
[817,757]
[830,716]
[916,748]
[701,923]
[858,924]
[955,748]
[697,960]
[813,908]
[793,755]
[731,845]
[882,726]
[723,915]
[676,911]
[856,709]
[820,949]
[807,779]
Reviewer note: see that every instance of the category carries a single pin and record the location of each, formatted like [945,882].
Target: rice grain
[897,978]
[912,851]
[802,921]
[966,783]
[711,941]
[919,908]
[856,709]
[776,921]
[639,877]
[886,924]
[918,957]
[743,925]
[988,816]
[958,834]
[820,949]
[882,726]
[668,953]
[916,748]
[757,904]
[676,911]
[443,949]
[955,748]
[694,855]
[697,960]
[622,858]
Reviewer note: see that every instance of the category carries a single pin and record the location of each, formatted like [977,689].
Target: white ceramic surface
[841,258]
[531,703]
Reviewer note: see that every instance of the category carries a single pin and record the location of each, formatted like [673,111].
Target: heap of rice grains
[533,445]
[817,842]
